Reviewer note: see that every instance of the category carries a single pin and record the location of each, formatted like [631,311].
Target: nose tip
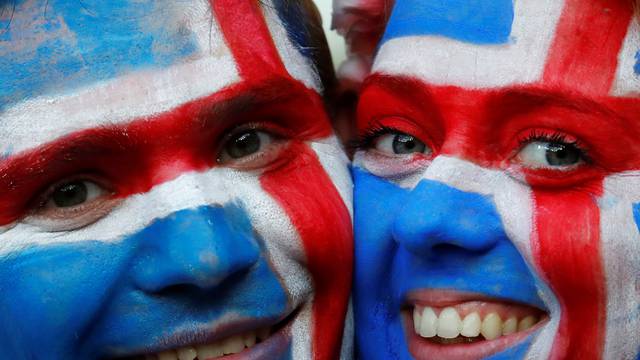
[199,248]
[437,216]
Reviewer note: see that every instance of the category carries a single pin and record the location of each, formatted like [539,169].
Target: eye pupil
[407,144]
[244,144]
[70,194]
[562,154]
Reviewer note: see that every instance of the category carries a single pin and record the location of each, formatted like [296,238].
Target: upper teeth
[449,325]
[231,345]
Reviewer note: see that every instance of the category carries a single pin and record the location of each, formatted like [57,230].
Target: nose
[436,217]
[199,248]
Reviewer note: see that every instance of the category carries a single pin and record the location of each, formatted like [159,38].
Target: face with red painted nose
[497,179]
[170,185]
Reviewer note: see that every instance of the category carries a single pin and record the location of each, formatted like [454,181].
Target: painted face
[170,185]
[497,182]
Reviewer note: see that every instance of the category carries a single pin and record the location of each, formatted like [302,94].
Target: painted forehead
[589,46]
[65,64]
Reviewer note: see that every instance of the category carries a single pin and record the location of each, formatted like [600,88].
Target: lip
[275,344]
[423,349]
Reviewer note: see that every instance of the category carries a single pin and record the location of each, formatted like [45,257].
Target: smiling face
[497,181]
[159,183]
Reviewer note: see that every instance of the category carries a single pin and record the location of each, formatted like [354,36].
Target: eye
[400,144]
[551,154]
[74,193]
[72,204]
[249,148]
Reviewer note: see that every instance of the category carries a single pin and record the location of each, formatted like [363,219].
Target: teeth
[209,351]
[510,326]
[527,323]
[167,355]
[471,325]
[429,323]
[449,323]
[231,345]
[491,326]
[449,326]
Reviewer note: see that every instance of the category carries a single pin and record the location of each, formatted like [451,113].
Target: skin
[511,195]
[158,180]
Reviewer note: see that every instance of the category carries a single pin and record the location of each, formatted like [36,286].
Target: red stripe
[134,157]
[584,54]
[325,228]
[566,246]
[245,30]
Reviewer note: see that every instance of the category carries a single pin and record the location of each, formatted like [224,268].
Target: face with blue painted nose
[496,179]
[170,185]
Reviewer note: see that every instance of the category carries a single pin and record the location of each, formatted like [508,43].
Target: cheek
[55,292]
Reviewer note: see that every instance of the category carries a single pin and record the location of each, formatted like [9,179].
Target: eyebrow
[520,99]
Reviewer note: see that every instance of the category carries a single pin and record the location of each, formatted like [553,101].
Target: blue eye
[400,144]
[548,154]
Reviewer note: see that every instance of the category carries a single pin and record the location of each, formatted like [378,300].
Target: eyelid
[553,136]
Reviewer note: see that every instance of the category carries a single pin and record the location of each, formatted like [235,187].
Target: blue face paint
[294,18]
[636,214]
[431,237]
[471,21]
[48,43]
[94,300]
[636,67]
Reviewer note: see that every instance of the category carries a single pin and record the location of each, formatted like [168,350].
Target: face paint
[157,185]
[496,181]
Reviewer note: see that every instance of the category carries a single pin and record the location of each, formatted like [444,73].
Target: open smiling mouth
[262,342]
[466,328]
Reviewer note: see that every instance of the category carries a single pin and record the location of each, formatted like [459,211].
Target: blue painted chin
[165,286]
[432,237]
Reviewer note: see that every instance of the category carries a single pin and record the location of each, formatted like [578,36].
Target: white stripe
[138,94]
[620,241]
[335,163]
[443,61]
[627,82]
[297,65]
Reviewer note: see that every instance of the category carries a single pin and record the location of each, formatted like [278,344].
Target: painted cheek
[566,246]
[324,225]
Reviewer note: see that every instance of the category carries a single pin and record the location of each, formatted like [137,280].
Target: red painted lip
[424,349]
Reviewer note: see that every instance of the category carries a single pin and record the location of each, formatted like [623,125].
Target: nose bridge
[437,212]
[198,247]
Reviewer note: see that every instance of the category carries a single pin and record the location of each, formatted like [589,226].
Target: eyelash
[366,140]
[556,137]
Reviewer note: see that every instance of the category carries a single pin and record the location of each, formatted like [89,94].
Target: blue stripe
[471,21]
[294,19]
[636,67]
[82,42]
[636,214]
[96,300]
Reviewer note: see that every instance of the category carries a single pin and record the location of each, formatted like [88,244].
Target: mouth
[465,326]
[261,342]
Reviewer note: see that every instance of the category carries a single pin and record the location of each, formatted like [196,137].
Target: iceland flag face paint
[170,185]
[497,179]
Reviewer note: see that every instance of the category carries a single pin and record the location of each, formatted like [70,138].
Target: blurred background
[335,41]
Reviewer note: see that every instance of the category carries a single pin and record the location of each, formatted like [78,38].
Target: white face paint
[157,199]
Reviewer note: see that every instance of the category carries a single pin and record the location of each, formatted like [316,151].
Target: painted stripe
[297,65]
[620,213]
[571,263]
[590,35]
[627,80]
[332,283]
[42,119]
[245,30]
[45,43]
[452,62]
[470,21]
